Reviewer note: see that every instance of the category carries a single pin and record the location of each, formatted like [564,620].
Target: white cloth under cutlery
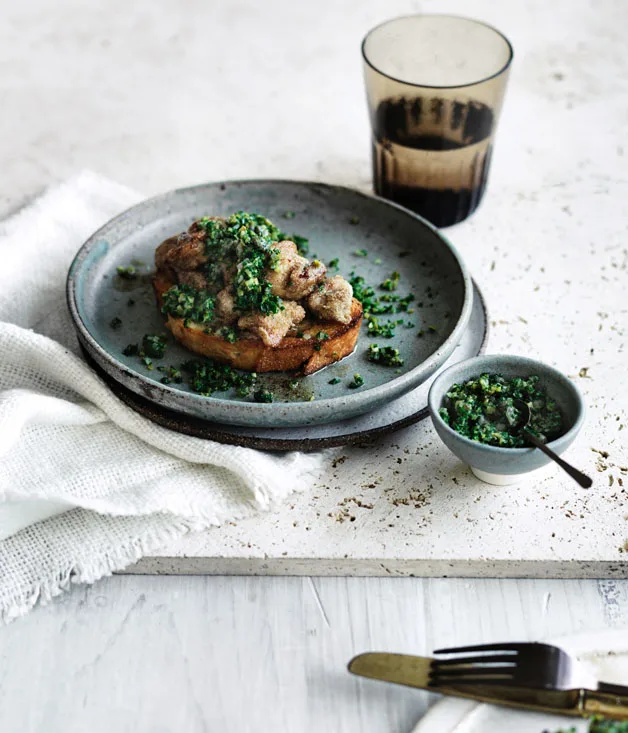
[87,486]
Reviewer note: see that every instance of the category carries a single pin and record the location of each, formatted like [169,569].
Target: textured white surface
[547,246]
[162,99]
[163,94]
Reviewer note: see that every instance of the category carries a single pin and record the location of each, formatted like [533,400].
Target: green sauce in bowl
[483,410]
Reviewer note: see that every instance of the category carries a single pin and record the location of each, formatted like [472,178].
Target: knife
[412,671]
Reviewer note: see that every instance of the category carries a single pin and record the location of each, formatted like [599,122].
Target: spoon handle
[585,481]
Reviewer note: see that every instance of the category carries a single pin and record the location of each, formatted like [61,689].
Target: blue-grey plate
[394,238]
[396,415]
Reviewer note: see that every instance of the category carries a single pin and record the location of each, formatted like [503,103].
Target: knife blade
[413,671]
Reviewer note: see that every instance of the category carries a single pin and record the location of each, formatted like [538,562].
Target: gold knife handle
[404,669]
[607,704]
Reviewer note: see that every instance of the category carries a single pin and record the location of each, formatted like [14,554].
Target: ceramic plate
[605,653]
[340,223]
[398,414]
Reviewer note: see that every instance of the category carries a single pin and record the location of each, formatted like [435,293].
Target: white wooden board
[549,249]
[154,99]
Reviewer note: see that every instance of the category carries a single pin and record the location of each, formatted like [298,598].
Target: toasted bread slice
[251,354]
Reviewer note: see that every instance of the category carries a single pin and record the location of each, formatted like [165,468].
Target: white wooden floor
[146,654]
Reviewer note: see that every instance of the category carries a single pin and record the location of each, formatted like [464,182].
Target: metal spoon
[585,481]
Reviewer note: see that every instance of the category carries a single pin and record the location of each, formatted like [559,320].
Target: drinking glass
[435,86]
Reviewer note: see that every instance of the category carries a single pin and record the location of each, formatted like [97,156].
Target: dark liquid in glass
[432,156]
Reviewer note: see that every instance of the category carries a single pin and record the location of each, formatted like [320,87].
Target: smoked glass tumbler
[435,86]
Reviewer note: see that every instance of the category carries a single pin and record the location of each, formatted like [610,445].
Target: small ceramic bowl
[504,466]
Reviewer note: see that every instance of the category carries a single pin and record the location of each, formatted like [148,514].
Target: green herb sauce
[358,381]
[378,305]
[245,239]
[229,334]
[184,301]
[127,273]
[384,355]
[263,395]
[600,725]
[385,329]
[243,242]
[390,283]
[153,346]
[207,377]
[482,409]
[171,374]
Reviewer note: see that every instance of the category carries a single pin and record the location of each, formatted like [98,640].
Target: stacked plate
[367,236]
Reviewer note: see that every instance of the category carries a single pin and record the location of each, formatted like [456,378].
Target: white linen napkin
[87,486]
